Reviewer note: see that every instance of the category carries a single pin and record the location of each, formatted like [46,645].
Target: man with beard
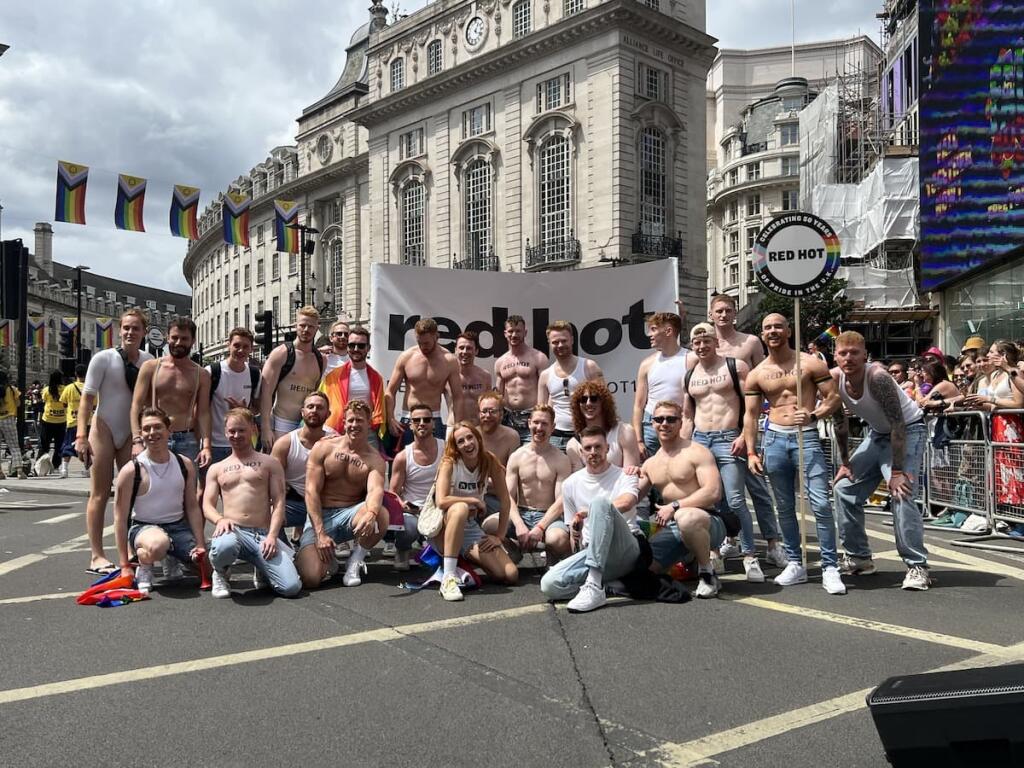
[412,475]
[291,372]
[559,381]
[292,450]
[357,380]
[660,377]
[517,373]
[428,371]
[498,439]
[234,383]
[473,380]
[337,350]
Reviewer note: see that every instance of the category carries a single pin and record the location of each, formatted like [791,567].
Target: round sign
[796,254]
[155,337]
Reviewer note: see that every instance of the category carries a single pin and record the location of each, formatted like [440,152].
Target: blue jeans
[520,422]
[733,471]
[612,550]
[780,461]
[184,444]
[870,463]
[649,435]
[244,544]
[560,439]
[294,510]
[668,547]
[764,508]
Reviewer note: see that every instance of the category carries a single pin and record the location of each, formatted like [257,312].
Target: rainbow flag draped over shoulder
[71,181]
[184,212]
[131,196]
[5,333]
[36,332]
[236,219]
[832,332]
[286,212]
[104,332]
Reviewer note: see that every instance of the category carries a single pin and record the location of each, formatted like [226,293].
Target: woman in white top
[593,405]
[466,468]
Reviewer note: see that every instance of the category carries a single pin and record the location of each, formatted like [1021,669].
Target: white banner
[607,306]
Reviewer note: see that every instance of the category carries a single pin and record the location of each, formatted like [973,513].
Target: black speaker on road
[970,718]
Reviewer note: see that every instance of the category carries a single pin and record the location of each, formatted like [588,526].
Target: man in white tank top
[557,383]
[891,451]
[412,476]
[292,450]
[660,377]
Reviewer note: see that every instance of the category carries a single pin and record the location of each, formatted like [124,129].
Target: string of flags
[73,179]
[36,336]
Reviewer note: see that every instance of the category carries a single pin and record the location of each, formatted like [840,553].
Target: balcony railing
[414,257]
[657,246]
[486,262]
[557,252]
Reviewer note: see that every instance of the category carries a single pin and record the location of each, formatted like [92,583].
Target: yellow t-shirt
[71,397]
[9,402]
[53,408]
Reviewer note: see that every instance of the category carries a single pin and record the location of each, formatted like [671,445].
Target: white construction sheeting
[818,125]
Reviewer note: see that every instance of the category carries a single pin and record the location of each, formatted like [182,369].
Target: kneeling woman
[462,481]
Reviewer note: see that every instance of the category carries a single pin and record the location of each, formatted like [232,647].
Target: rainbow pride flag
[236,219]
[71,181]
[5,334]
[104,332]
[832,332]
[286,212]
[36,332]
[184,212]
[68,323]
[131,196]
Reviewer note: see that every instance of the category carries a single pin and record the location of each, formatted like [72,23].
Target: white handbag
[430,518]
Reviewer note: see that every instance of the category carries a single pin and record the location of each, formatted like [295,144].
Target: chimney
[43,253]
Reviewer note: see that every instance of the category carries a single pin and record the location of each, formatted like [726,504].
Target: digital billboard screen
[972,134]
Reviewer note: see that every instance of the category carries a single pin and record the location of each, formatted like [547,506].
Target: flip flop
[103,570]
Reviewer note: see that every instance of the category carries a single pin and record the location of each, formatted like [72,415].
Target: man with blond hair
[337,349]
[291,372]
[428,372]
[558,382]
[516,375]
[660,377]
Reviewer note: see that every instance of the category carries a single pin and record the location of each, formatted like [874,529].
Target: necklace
[153,468]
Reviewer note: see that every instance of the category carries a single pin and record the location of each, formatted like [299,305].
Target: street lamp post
[303,231]
[78,328]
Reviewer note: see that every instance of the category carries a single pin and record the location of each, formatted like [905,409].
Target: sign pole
[801,479]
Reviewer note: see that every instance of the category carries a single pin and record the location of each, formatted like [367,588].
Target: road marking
[35,598]
[59,518]
[72,544]
[19,562]
[383,634]
[969,562]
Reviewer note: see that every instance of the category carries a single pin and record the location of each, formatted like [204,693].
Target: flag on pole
[286,212]
[104,332]
[71,181]
[131,196]
[236,218]
[830,333]
[5,333]
[36,332]
[184,212]
[68,323]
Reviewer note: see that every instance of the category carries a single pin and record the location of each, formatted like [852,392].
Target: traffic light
[11,278]
[265,331]
[67,343]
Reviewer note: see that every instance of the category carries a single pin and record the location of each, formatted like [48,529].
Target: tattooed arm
[886,391]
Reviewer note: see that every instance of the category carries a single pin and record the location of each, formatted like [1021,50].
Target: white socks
[595,577]
[358,554]
[450,563]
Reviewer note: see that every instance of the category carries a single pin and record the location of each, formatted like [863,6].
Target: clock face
[475,30]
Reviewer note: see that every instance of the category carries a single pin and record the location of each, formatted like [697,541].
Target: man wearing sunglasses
[337,350]
[473,380]
[557,383]
[660,377]
[357,380]
[516,375]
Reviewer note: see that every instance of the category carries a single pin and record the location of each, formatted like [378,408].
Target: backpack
[289,363]
[254,380]
[730,363]
[137,481]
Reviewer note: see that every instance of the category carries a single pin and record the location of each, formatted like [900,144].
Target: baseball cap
[700,329]
[933,351]
[973,342]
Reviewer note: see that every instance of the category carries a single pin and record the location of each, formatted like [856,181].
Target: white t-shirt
[231,384]
[582,487]
[358,385]
[334,361]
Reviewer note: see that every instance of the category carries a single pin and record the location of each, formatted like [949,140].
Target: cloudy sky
[197,92]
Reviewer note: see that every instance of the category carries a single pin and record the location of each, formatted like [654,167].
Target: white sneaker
[172,569]
[777,556]
[708,585]
[729,550]
[221,587]
[832,582]
[259,579]
[794,573]
[389,549]
[917,578]
[402,560]
[752,567]
[354,572]
[450,590]
[63,471]
[144,577]
[589,598]
[853,566]
[717,563]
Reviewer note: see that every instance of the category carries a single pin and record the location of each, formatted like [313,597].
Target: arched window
[555,191]
[397,75]
[521,22]
[479,187]
[435,57]
[337,273]
[652,182]
[413,251]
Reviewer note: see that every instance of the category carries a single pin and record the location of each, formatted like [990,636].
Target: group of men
[188,451]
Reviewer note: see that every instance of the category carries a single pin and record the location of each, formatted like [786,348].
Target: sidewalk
[74,485]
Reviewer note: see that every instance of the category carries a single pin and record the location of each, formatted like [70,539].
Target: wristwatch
[814,418]
[675,506]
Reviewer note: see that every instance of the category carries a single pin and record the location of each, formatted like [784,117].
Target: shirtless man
[250,486]
[686,477]
[534,476]
[337,350]
[774,379]
[498,439]
[110,379]
[344,491]
[292,451]
[557,383]
[180,387]
[660,377]
[714,407]
[473,380]
[517,373]
[284,389]
[428,372]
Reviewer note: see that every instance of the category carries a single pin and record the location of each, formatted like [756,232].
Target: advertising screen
[972,134]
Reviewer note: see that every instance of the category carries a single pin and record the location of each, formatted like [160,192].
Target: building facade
[511,135]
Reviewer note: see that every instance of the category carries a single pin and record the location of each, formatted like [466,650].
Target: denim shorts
[337,525]
[294,510]
[667,547]
[471,534]
[533,516]
[180,534]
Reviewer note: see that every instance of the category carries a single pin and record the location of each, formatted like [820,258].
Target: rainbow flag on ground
[830,333]
[36,336]
[184,212]
[131,196]
[5,334]
[286,212]
[71,181]
[104,332]
[236,219]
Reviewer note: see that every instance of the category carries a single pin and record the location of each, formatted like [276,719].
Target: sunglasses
[339,334]
[489,411]
[665,419]
[590,398]
[894,371]
[357,345]
[565,387]
[421,419]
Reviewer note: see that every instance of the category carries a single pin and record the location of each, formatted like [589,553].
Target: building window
[751,237]
[334,212]
[217,291]
[521,24]
[733,211]
[734,242]
[792,103]
[653,83]
[259,307]
[553,93]
[750,273]
[236,317]
[569,7]
[734,177]
[435,57]
[790,133]
[555,180]
[260,274]
[734,274]
[753,205]
[652,182]
[129,301]
[790,199]
[275,307]
[259,234]
[655,4]
[246,275]
[476,120]
[790,166]
[412,224]
[246,316]
[275,267]
[478,209]
[410,144]
[753,171]
[397,75]
[293,263]
[337,272]
[151,304]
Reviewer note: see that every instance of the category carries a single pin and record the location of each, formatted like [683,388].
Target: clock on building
[476,30]
[323,149]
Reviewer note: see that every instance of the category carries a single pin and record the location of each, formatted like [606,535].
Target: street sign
[796,254]
[155,337]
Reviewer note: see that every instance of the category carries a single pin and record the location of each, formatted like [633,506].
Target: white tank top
[560,393]
[869,409]
[164,500]
[418,477]
[466,482]
[665,379]
[295,472]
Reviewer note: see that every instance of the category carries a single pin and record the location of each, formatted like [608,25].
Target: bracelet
[543,528]
[751,454]
[137,441]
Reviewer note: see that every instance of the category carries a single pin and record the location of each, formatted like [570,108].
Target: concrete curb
[29,487]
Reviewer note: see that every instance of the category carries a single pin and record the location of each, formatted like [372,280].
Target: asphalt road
[378,676]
